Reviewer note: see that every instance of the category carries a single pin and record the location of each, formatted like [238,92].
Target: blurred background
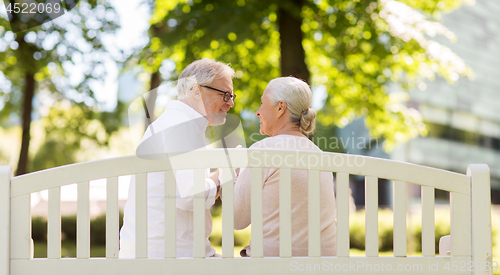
[415,81]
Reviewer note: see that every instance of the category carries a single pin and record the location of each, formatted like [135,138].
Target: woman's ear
[281,108]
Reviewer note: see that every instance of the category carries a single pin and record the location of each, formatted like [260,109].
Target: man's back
[179,128]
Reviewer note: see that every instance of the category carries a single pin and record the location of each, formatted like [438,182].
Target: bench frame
[470,209]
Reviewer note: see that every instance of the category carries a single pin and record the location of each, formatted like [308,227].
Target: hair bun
[307,120]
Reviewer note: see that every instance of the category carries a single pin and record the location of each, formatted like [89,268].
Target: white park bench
[470,221]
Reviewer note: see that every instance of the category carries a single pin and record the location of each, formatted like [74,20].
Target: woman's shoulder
[263,143]
[286,142]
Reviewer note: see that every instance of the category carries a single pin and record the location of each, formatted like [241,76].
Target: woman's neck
[289,130]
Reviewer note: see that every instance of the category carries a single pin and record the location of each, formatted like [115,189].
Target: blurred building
[463,118]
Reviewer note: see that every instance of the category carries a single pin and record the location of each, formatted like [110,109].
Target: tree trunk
[154,31]
[153,94]
[29,92]
[292,53]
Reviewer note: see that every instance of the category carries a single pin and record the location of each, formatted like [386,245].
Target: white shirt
[180,128]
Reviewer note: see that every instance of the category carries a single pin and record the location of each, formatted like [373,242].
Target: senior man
[205,92]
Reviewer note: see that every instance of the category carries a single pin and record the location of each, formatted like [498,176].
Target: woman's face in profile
[267,114]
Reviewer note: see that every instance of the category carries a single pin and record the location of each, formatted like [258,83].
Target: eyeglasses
[227,95]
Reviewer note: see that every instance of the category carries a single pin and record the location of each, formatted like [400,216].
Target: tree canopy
[356,49]
[61,57]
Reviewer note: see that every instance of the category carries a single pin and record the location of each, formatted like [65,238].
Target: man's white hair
[201,72]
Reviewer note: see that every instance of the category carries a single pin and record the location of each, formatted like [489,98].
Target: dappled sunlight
[407,23]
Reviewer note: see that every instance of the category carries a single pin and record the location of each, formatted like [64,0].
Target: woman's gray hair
[298,97]
[201,72]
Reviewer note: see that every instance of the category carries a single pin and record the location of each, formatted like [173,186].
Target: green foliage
[351,48]
[53,153]
[39,229]
[357,230]
[430,6]
[385,230]
[98,229]
[4,158]
[68,229]
[44,49]
[442,228]
[69,130]
[325,138]
[64,56]
[241,237]
[386,224]
[68,249]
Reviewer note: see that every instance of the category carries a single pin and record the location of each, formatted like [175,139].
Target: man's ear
[281,108]
[196,91]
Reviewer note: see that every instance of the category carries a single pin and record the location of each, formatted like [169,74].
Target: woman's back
[299,207]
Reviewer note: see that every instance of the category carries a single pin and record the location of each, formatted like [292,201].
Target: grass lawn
[68,250]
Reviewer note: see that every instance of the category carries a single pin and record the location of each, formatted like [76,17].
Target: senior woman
[285,115]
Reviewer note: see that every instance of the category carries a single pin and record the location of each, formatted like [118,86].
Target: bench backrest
[469,199]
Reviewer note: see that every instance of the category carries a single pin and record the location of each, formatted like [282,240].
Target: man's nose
[230,102]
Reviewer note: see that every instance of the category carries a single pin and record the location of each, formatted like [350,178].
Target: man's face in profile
[215,107]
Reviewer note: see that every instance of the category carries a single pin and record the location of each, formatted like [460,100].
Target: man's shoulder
[171,117]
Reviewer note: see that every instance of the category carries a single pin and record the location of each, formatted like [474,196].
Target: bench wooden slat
[199,213]
[342,196]
[5,177]
[371,211]
[481,218]
[428,230]
[314,214]
[54,224]
[256,213]
[460,224]
[20,245]
[237,266]
[83,222]
[285,202]
[335,162]
[170,215]
[460,196]
[227,213]
[141,216]
[112,218]
[399,198]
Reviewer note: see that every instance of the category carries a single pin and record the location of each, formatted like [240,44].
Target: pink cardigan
[270,193]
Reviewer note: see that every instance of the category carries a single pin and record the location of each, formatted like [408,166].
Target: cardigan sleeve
[243,190]
[242,200]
